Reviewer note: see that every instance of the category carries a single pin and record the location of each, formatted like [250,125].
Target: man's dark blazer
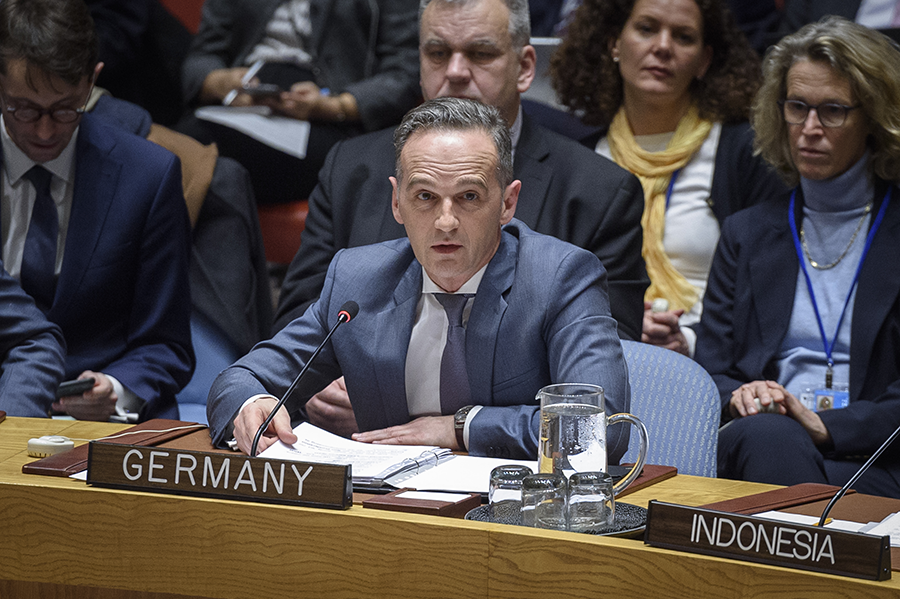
[122,299]
[229,280]
[368,48]
[540,316]
[748,305]
[567,191]
[33,353]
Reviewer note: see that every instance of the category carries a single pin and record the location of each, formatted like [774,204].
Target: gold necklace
[818,266]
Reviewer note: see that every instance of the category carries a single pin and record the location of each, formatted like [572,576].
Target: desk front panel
[61,532]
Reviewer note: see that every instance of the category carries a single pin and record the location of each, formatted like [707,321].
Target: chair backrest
[679,404]
[186,11]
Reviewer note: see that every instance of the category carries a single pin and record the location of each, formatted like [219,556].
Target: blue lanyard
[672,179]
[829,347]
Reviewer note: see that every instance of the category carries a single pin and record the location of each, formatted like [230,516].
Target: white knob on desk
[48,445]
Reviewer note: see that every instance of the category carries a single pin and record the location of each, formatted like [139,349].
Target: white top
[287,36]
[877,14]
[692,231]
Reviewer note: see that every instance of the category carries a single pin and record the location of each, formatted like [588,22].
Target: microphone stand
[347,312]
[856,476]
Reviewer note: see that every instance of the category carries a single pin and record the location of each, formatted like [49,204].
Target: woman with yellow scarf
[670,82]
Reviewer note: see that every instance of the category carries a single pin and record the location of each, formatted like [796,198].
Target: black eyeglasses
[32,114]
[829,114]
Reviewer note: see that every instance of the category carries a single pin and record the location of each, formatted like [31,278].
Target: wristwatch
[459,425]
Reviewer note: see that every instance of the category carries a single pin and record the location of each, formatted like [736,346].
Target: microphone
[858,474]
[347,313]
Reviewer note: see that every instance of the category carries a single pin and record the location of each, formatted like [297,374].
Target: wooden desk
[61,538]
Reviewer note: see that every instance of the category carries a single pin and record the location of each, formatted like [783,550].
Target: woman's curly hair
[588,81]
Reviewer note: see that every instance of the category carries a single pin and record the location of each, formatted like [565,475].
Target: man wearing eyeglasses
[93,220]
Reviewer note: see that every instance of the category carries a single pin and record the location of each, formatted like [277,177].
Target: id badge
[820,399]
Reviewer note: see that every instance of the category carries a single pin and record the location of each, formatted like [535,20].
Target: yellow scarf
[654,169]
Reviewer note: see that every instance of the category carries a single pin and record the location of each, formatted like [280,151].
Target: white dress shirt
[19,197]
[426,348]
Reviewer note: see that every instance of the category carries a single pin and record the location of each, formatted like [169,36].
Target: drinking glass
[591,504]
[544,501]
[506,483]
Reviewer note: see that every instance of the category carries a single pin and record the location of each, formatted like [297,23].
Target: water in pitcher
[573,439]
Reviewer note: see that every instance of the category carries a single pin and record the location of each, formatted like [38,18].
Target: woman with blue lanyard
[670,82]
[801,318]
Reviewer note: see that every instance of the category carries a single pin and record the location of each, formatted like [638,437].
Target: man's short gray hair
[519,18]
[455,114]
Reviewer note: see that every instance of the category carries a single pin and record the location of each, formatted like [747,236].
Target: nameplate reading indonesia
[765,541]
[219,475]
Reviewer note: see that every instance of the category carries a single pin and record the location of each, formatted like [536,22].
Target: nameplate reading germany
[754,539]
[220,475]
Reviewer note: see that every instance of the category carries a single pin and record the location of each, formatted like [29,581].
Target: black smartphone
[75,387]
[263,90]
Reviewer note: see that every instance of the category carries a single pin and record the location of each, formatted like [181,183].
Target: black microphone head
[348,311]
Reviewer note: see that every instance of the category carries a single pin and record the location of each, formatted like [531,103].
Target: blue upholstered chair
[679,404]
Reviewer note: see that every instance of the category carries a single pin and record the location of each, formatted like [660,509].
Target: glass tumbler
[506,483]
[591,504]
[544,501]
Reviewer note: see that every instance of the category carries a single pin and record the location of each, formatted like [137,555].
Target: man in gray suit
[530,310]
[475,49]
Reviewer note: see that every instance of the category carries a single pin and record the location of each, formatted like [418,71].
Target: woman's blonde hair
[867,59]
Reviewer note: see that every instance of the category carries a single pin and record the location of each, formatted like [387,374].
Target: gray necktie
[455,392]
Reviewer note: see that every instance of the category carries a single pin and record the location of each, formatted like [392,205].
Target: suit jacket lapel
[393,328]
[378,196]
[529,167]
[773,288]
[877,291]
[96,179]
[484,321]
[318,16]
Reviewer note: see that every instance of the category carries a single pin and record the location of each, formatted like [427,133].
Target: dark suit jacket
[229,280]
[122,298]
[740,179]
[567,191]
[747,310]
[540,316]
[798,13]
[33,353]
[368,48]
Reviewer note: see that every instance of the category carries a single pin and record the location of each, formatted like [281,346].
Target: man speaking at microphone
[460,324]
